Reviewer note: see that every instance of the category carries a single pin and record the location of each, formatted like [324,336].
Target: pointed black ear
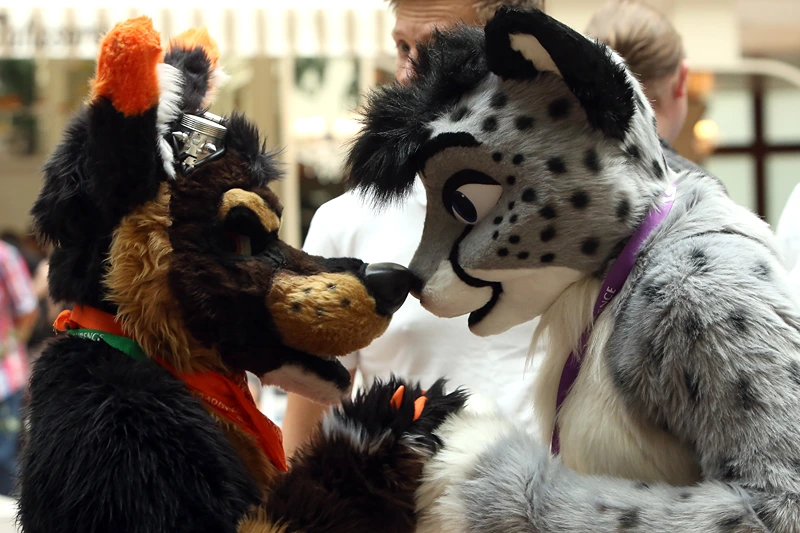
[520,44]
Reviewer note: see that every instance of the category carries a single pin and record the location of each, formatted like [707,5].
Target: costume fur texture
[540,158]
[190,264]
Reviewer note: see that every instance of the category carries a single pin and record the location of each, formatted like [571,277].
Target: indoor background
[298,70]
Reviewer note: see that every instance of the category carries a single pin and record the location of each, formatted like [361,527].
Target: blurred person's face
[416,20]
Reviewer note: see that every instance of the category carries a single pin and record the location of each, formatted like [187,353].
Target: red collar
[228,395]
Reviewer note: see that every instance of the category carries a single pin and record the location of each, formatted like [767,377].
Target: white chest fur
[598,435]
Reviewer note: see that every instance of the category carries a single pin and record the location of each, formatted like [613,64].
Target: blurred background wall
[298,69]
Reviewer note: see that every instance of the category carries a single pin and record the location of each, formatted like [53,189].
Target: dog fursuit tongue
[228,396]
[614,281]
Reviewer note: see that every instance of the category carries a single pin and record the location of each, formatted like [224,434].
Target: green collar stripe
[123,344]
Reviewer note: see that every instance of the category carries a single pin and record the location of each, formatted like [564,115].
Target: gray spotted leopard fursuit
[540,157]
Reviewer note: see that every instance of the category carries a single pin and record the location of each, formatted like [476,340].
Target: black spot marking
[558,109]
[547,234]
[498,220]
[738,321]
[731,523]
[502,252]
[296,307]
[511,180]
[460,114]
[556,165]
[694,328]
[511,205]
[346,303]
[658,170]
[592,161]
[513,218]
[623,210]
[590,246]
[523,122]
[495,235]
[523,255]
[747,394]
[633,151]
[652,292]
[518,159]
[699,260]
[498,100]
[692,386]
[514,239]
[548,212]
[497,156]
[794,372]
[729,471]
[580,199]
[548,258]
[490,124]
[762,271]
[529,195]
[629,519]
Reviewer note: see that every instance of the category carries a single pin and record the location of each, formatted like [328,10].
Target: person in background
[19,309]
[418,345]
[653,50]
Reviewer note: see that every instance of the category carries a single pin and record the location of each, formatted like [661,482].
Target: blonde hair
[643,36]
[487,8]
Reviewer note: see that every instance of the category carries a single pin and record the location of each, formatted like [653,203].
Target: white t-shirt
[788,234]
[418,345]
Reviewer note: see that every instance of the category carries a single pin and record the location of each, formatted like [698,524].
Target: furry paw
[361,471]
[127,66]
[403,410]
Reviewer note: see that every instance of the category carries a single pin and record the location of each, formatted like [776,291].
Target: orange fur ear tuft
[126,67]
[198,37]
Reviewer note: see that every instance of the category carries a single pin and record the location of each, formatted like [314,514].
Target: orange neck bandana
[227,395]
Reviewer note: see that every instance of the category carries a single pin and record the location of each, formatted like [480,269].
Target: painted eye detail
[238,244]
[469,195]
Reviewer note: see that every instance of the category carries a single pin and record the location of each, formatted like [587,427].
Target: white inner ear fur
[532,50]
[170,86]
[527,293]
[216,81]
[294,379]
[445,295]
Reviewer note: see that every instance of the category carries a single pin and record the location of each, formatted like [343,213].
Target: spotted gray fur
[705,336]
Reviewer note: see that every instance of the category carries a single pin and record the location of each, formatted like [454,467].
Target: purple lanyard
[611,286]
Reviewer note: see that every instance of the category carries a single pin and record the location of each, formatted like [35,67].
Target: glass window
[738,173]
[732,110]
[783,175]
[782,115]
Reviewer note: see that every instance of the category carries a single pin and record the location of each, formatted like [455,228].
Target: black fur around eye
[470,194]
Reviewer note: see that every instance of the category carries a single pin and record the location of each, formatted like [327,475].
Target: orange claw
[419,405]
[397,397]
